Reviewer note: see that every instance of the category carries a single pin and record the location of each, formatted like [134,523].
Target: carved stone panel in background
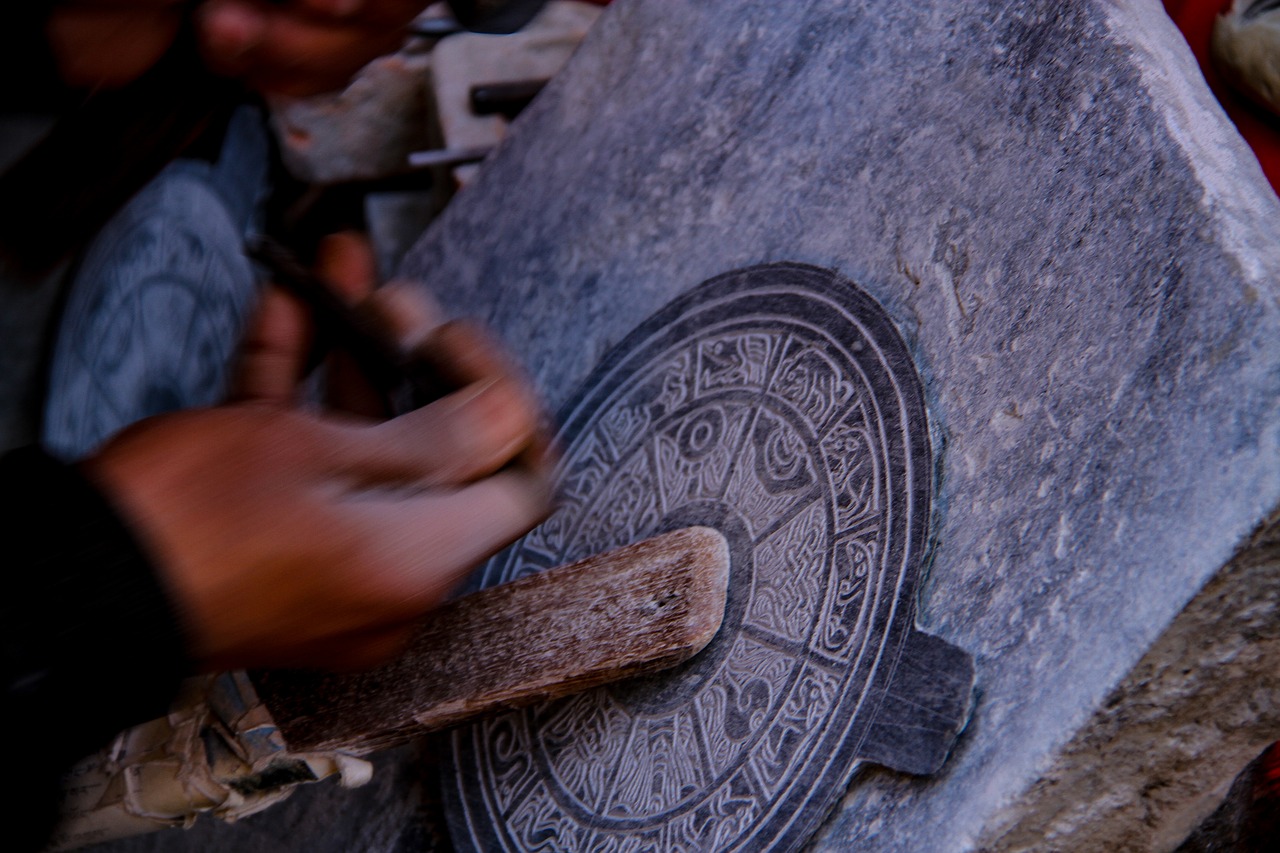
[779,405]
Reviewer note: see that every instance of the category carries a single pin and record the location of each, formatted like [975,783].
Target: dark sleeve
[91,644]
[31,83]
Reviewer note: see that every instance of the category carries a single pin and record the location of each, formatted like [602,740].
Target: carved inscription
[780,421]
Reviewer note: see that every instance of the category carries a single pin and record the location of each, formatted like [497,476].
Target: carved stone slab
[778,405]
[1083,258]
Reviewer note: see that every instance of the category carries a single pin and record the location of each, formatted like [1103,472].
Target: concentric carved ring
[779,405]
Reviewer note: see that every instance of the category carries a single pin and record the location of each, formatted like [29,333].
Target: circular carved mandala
[779,405]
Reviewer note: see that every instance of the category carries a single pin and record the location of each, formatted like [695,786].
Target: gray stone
[1159,753]
[1077,246]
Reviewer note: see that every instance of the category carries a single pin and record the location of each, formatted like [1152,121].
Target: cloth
[160,298]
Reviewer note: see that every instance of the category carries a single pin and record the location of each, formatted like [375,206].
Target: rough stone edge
[1205,699]
[1235,191]
[1161,754]
[1235,187]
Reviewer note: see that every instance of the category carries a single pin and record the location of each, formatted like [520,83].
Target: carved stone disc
[779,405]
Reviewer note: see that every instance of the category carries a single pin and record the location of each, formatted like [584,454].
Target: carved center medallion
[779,405]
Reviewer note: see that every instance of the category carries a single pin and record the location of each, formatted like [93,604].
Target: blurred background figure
[300,523]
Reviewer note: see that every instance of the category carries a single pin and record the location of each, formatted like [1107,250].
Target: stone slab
[1161,752]
[1078,249]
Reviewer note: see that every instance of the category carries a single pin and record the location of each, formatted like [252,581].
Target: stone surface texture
[778,405]
[1078,247]
[1206,694]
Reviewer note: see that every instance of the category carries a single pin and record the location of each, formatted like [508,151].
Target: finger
[403,314]
[465,353]
[406,312]
[274,354]
[426,545]
[459,438]
[348,390]
[346,260]
[542,453]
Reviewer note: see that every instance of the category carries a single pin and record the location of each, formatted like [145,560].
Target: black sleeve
[31,83]
[91,644]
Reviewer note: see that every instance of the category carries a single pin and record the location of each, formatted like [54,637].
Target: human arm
[279,535]
[264,504]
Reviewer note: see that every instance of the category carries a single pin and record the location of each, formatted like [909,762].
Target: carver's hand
[293,47]
[290,537]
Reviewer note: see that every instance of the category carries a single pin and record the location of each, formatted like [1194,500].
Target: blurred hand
[289,47]
[294,538]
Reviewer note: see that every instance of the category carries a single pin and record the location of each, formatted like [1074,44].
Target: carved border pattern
[780,405]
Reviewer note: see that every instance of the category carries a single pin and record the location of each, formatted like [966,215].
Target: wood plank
[631,611]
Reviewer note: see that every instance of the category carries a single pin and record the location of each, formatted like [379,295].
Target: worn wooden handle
[635,610]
